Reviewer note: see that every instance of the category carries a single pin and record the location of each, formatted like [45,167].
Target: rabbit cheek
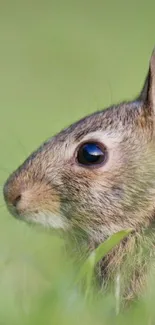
[79,196]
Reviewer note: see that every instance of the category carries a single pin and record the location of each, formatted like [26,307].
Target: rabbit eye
[91,154]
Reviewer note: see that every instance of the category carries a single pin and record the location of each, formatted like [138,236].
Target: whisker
[110,91]
[2,205]
[5,263]
[14,135]
[5,169]
[1,190]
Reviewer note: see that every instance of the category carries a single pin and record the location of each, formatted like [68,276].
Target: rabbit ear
[148,92]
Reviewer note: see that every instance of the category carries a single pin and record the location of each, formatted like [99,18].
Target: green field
[60,60]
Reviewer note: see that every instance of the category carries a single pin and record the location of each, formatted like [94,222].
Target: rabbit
[97,176]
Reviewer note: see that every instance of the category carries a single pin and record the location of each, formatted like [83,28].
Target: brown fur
[100,201]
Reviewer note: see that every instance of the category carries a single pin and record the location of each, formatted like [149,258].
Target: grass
[59,61]
[42,283]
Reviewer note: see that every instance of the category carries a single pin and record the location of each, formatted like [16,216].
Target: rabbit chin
[47,219]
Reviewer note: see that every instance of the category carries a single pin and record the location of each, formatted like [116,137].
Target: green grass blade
[101,251]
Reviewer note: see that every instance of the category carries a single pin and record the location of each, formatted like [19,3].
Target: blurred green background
[59,60]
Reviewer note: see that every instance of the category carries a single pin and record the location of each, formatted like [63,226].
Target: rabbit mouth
[47,219]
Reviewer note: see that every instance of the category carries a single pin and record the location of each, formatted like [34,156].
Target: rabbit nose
[16,200]
[11,196]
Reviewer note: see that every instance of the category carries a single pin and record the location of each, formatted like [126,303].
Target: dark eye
[91,154]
